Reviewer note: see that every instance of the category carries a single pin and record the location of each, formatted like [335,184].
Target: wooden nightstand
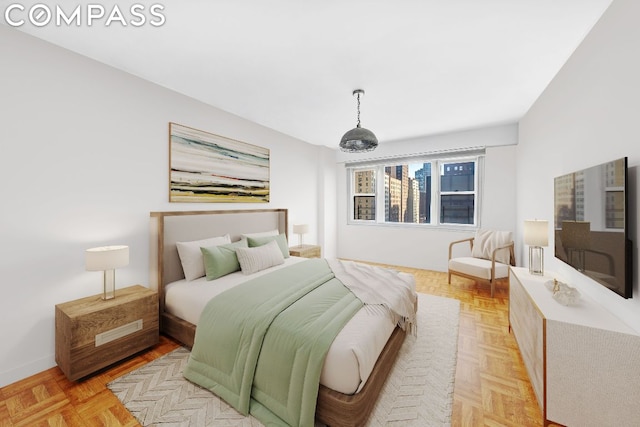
[92,333]
[305,251]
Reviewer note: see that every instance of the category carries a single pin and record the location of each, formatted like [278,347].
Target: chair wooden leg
[449,278]
[493,283]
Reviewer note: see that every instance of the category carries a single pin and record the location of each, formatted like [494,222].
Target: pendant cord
[358,95]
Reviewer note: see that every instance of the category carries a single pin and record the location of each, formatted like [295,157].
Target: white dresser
[583,362]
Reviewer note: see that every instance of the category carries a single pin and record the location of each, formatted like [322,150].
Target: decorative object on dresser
[210,168]
[107,259]
[92,333]
[306,251]
[536,236]
[300,230]
[581,359]
[563,293]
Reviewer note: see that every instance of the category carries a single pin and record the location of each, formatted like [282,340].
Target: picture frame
[209,168]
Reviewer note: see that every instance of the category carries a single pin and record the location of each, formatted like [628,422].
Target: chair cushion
[478,267]
[486,241]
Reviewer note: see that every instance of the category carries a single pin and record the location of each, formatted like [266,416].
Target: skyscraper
[423,176]
[398,192]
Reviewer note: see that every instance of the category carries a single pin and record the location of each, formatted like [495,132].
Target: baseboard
[27,370]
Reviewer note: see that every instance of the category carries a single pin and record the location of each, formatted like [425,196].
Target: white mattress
[352,355]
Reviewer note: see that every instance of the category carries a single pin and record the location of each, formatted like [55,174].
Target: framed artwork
[208,168]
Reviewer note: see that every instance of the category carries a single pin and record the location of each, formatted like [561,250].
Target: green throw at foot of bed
[261,345]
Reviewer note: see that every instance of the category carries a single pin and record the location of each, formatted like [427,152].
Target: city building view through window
[412,194]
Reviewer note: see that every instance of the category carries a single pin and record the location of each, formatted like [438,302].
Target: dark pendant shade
[358,140]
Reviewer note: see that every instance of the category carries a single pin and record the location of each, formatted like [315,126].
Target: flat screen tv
[591,229]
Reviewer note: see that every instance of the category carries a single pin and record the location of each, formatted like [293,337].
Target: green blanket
[261,345]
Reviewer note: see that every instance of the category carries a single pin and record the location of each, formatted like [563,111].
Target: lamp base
[536,260]
[109,286]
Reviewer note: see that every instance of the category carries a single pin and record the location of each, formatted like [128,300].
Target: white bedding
[352,355]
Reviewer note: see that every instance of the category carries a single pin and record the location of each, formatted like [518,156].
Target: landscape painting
[213,169]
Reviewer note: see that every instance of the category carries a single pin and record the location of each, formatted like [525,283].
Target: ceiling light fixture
[358,139]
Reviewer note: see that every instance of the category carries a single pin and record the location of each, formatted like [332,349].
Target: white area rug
[418,392]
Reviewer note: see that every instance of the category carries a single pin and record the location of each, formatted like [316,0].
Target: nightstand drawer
[306,251]
[92,333]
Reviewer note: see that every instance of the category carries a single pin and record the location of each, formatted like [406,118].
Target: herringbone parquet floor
[491,388]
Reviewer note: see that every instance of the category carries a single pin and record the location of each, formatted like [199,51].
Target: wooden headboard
[167,228]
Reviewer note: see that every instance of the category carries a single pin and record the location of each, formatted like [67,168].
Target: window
[407,193]
[364,195]
[457,193]
[410,193]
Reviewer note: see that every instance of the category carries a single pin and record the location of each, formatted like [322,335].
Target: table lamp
[300,230]
[536,236]
[107,259]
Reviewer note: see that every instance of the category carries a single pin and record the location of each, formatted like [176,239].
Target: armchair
[491,253]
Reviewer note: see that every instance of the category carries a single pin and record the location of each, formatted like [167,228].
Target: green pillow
[280,239]
[221,260]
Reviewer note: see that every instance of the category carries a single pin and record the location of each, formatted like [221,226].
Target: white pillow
[191,255]
[262,234]
[259,258]
[486,241]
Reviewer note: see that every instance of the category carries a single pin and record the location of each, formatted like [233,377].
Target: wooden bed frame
[167,228]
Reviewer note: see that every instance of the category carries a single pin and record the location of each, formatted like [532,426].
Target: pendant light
[358,139]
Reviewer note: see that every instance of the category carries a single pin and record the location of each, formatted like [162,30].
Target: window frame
[436,193]
[462,192]
[353,194]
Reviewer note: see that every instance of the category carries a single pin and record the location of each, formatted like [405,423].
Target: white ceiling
[427,67]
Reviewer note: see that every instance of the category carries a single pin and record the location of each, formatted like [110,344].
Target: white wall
[84,160]
[586,116]
[327,231]
[425,247]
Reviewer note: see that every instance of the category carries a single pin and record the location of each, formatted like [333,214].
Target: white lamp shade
[536,232]
[106,258]
[300,228]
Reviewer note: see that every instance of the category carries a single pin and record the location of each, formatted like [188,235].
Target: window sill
[444,227]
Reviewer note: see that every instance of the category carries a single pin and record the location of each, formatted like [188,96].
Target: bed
[334,407]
